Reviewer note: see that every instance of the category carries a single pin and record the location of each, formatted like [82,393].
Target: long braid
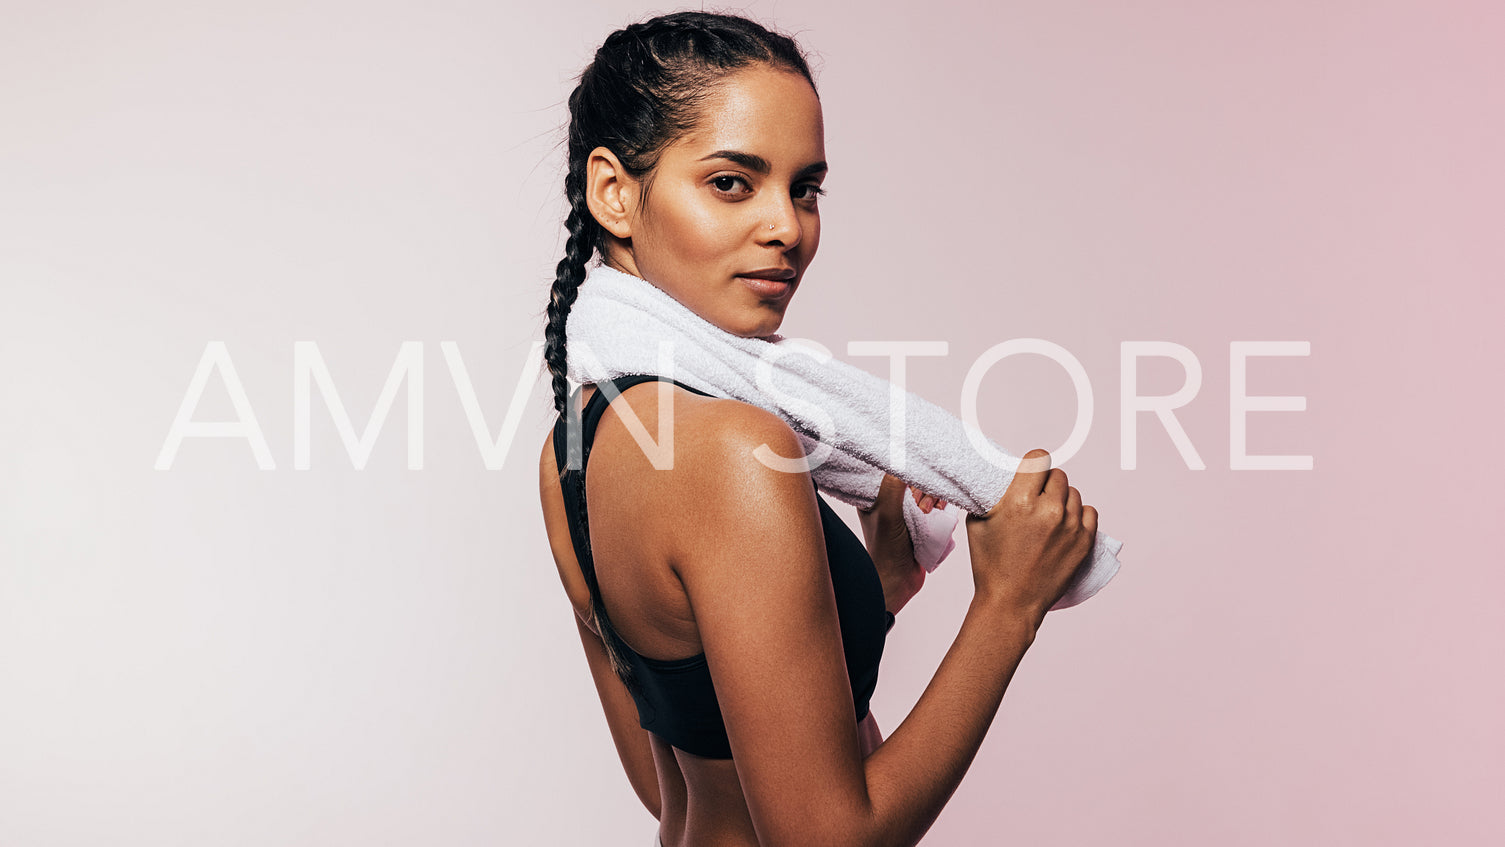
[568,274]
[584,240]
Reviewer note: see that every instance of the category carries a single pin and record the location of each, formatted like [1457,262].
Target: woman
[744,625]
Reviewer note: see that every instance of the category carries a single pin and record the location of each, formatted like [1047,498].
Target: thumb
[1030,476]
[887,491]
[890,494]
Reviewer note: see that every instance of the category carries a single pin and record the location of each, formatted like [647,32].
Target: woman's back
[641,523]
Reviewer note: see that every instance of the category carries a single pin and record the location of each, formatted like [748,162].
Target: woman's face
[731,220]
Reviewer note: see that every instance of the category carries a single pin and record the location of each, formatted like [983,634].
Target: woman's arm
[622,718]
[759,583]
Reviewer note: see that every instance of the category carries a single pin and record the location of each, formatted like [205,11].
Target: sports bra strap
[572,474]
[605,393]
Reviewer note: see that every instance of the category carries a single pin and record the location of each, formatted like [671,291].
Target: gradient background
[221,655]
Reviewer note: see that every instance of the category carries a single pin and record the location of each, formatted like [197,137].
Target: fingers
[926,502]
[1087,537]
[1055,487]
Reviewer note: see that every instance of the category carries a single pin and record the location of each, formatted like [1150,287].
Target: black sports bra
[675,697]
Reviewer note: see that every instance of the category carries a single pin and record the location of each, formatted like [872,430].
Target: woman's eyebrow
[757,163]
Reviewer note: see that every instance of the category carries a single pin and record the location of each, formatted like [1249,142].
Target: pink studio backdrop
[219,654]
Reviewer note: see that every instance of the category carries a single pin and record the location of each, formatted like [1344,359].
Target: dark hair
[642,91]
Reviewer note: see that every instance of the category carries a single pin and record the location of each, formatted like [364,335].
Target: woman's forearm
[912,775]
[631,740]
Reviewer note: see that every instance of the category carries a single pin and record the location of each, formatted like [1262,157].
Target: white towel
[621,324]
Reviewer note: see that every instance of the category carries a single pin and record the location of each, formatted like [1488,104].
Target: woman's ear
[611,192]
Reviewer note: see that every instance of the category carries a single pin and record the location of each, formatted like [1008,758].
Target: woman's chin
[767,324]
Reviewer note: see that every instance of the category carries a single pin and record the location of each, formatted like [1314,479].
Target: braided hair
[643,90]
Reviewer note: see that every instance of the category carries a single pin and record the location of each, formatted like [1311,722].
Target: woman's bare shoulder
[735,467]
[719,442]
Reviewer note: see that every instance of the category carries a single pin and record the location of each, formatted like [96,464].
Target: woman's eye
[726,184]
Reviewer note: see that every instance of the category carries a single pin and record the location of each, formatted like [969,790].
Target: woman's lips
[771,288]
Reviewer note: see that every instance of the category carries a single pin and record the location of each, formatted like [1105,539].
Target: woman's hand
[1027,547]
[888,541]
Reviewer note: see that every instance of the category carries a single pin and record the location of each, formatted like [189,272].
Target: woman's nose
[780,225]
